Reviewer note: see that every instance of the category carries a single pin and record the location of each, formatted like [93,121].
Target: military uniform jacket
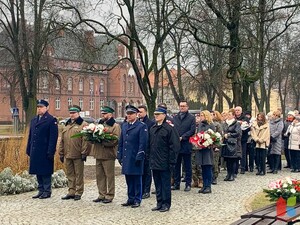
[108,150]
[132,146]
[164,146]
[41,143]
[73,148]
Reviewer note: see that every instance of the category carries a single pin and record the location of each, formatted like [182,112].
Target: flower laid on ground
[286,188]
[95,133]
[205,139]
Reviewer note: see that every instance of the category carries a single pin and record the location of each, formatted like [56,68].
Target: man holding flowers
[73,153]
[105,153]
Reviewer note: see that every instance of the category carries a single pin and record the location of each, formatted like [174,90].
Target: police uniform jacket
[149,124]
[132,146]
[108,150]
[164,146]
[73,148]
[41,144]
[186,128]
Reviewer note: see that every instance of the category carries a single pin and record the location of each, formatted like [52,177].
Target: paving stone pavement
[223,206]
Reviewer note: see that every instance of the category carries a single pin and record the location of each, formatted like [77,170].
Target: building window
[69,101]
[130,88]
[80,85]
[45,82]
[101,102]
[92,104]
[91,86]
[124,83]
[57,103]
[57,84]
[101,88]
[70,85]
[81,103]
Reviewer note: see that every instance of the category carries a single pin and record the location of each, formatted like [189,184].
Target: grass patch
[260,200]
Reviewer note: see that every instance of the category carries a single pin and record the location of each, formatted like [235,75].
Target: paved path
[223,206]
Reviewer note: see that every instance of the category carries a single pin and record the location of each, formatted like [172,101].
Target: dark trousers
[251,153]
[261,155]
[134,188]
[287,155]
[44,183]
[147,177]
[163,187]
[231,165]
[187,159]
[207,175]
[274,162]
[295,159]
[244,163]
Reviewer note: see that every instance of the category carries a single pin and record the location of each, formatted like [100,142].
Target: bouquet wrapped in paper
[205,139]
[95,133]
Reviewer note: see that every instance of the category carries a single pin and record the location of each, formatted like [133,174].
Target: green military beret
[74,108]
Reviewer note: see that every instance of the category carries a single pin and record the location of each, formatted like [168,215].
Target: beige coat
[73,148]
[104,150]
[261,135]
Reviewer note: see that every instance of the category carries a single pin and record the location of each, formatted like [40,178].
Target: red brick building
[78,76]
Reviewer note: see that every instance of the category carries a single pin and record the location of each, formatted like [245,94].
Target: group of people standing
[160,148]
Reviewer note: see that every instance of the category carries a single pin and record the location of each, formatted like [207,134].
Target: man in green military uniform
[73,153]
[105,154]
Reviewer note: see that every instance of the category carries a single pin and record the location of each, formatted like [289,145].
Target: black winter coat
[164,146]
[232,145]
[245,133]
[186,128]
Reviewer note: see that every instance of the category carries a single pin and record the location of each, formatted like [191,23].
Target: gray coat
[205,156]
[276,127]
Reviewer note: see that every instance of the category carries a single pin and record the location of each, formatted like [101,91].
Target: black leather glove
[120,161]
[83,158]
[138,162]
[50,157]
[62,159]
[172,167]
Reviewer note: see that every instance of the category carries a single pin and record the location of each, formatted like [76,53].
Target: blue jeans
[44,183]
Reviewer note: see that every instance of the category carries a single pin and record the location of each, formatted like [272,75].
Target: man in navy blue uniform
[185,124]
[164,146]
[131,153]
[41,148]
[147,177]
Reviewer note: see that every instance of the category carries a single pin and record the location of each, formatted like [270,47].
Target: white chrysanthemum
[206,136]
[293,191]
[218,135]
[285,185]
[210,131]
[99,128]
[91,126]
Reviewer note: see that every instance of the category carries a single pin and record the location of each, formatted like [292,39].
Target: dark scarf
[110,122]
[79,121]
[260,123]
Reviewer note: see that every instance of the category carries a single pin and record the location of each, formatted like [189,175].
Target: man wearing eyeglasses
[185,124]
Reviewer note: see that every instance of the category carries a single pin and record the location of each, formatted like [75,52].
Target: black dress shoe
[107,201]
[293,171]
[126,204]
[175,188]
[153,192]
[67,197]
[187,188]
[156,208]
[251,169]
[135,205]
[146,195]
[37,195]
[275,172]
[258,172]
[201,190]
[286,167]
[242,172]
[226,178]
[270,171]
[214,182]
[77,197]
[262,173]
[164,209]
[207,190]
[98,200]
[45,195]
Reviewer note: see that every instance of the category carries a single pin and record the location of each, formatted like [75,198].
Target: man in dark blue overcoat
[41,148]
[131,153]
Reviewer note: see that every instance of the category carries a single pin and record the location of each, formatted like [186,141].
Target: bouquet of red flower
[287,188]
[205,139]
[95,133]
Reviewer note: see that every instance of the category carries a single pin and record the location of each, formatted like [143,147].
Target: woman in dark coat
[204,156]
[231,151]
